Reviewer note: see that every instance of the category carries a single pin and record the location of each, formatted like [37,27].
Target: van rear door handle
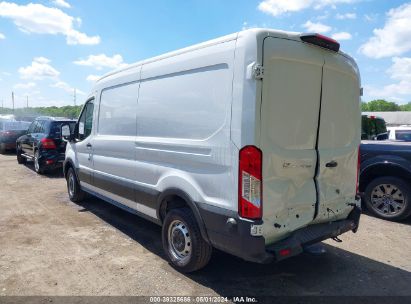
[331,164]
[89,146]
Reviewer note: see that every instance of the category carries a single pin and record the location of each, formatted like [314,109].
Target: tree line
[71,112]
[381,105]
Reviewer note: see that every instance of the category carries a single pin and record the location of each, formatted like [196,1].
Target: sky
[49,48]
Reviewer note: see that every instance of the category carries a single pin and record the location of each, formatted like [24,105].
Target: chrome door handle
[331,164]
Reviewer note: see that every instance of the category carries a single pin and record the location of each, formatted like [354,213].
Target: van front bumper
[237,240]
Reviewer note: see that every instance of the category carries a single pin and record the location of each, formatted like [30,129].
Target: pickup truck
[385,178]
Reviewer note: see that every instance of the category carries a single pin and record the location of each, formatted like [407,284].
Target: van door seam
[317,167]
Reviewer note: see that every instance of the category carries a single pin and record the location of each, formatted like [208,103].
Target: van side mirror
[66,133]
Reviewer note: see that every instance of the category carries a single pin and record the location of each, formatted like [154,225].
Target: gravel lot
[50,246]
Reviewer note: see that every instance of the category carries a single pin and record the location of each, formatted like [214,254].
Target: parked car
[194,140]
[373,128]
[9,132]
[385,178]
[43,144]
[401,133]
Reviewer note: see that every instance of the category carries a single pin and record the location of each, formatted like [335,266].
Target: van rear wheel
[182,241]
[75,193]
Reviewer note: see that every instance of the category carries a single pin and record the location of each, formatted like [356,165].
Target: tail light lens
[250,190]
[357,185]
[7,133]
[48,143]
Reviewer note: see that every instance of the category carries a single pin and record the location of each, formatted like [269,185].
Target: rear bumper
[294,244]
[236,238]
[51,159]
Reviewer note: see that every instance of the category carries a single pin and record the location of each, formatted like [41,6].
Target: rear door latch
[258,71]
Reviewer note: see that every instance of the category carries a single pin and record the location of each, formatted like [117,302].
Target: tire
[2,148]
[20,159]
[37,165]
[196,253]
[75,193]
[388,198]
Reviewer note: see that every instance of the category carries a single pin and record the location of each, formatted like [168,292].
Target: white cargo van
[247,143]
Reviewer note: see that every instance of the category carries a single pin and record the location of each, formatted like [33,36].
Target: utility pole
[27,102]
[12,99]
[75,97]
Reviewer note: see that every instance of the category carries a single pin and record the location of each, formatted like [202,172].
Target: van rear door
[310,158]
[339,137]
[291,94]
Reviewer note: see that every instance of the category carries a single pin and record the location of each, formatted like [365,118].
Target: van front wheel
[75,193]
[182,241]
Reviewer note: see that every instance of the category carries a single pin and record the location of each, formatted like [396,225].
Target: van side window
[118,108]
[167,112]
[85,124]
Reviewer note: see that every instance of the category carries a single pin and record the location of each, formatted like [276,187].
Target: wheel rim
[387,199]
[71,184]
[179,241]
[36,162]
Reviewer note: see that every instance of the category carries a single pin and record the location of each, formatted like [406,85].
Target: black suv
[43,144]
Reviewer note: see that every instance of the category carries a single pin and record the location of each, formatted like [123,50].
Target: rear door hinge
[258,71]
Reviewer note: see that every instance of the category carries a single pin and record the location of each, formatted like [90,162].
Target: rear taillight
[48,143]
[357,184]
[322,41]
[7,133]
[250,189]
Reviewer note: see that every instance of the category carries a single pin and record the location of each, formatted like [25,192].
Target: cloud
[24,86]
[279,7]
[61,3]
[370,17]
[394,38]
[346,16]
[102,61]
[316,27]
[342,36]
[399,71]
[40,19]
[38,70]
[93,78]
[2,36]
[66,87]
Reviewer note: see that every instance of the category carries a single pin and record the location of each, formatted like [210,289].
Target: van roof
[249,32]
